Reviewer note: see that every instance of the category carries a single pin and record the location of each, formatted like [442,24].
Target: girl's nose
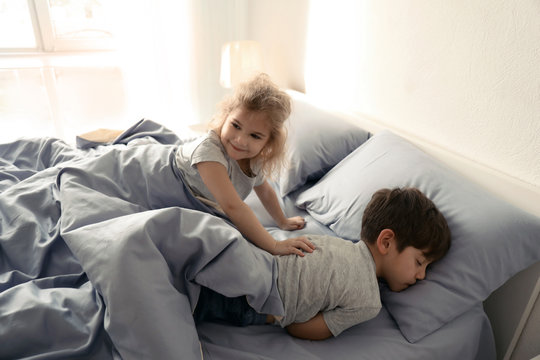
[241,139]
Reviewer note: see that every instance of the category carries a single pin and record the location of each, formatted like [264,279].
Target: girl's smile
[236,147]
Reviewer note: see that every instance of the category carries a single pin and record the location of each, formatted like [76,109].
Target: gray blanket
[103,251]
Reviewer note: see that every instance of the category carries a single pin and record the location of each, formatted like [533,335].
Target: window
[57,74]
[71,66]
[16,30]
[57,25]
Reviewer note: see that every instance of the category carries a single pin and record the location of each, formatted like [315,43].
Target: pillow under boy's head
[491,239]
[317,140]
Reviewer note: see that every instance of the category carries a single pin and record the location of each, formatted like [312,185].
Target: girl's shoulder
[208,148]
[211,142]
[204,142]
[213,137]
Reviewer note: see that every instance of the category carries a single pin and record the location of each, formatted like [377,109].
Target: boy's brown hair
[414,219]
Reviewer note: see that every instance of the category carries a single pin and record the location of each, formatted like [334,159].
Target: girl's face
[245,133]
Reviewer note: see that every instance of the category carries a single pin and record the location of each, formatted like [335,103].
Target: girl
[246,143]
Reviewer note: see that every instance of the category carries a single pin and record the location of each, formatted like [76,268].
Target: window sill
[59,59]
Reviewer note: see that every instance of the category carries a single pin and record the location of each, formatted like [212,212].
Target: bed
[103,251]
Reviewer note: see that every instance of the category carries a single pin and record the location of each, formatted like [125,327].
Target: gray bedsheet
[466,338]
[102,252]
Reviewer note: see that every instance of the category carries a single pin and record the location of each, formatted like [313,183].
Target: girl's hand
[293,223]
[293,246]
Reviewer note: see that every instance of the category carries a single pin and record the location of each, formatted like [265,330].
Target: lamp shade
[239,61]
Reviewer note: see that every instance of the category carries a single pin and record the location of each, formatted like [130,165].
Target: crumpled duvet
[103,251]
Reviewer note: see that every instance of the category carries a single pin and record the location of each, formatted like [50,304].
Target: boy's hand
[293,223]
[293,246]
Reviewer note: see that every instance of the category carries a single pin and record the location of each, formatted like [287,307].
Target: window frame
[46,40]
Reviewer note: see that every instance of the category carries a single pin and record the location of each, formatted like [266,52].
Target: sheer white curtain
[170,56]
[155,45]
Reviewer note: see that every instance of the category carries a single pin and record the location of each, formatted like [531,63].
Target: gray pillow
[317,140]
[491,239]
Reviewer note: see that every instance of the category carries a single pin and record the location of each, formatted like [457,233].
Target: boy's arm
[215,177]
[268,198]
[313,329]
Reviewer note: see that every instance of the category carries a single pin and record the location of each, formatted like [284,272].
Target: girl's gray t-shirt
[209,148]
[337,278]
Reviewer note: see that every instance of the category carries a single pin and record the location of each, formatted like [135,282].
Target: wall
[462,74]
[281,27]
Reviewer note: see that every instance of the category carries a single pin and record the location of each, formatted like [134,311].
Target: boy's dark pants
[215,307]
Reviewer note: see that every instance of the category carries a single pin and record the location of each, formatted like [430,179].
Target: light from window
[16,31]
[76,19]
[18,115]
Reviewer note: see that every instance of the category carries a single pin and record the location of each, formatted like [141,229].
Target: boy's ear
[385,241]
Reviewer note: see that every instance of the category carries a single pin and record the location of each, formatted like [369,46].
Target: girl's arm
[268,198]
[216,179]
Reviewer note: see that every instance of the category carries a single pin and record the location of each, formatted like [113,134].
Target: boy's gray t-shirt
[337,278]
[209,148]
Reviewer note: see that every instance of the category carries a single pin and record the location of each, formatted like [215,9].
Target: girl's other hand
[293,246]
[293,223]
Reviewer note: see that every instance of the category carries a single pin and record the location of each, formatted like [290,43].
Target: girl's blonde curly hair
[260,94]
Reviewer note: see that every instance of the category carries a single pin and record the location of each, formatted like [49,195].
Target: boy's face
[245,133]
[403,269]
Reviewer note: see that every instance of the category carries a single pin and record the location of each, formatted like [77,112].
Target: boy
[335,286]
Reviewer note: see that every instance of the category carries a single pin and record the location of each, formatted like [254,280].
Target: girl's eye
[236,126]
[255,136]
[418,263]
